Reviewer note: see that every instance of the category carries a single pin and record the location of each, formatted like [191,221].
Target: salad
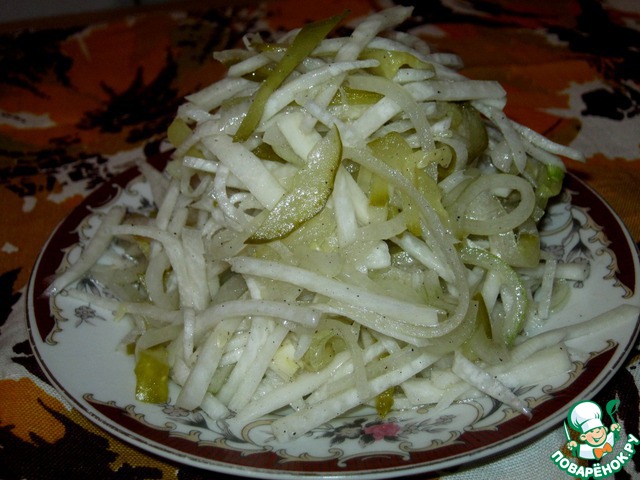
[344,221]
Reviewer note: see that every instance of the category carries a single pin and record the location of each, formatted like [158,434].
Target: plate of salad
[352,263]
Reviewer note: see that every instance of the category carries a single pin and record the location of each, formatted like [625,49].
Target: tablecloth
[83,98]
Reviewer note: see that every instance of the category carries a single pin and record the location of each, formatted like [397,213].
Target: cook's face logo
[596,440]
[593,440]
[597,436]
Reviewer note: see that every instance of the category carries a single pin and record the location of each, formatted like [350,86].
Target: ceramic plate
[77,346]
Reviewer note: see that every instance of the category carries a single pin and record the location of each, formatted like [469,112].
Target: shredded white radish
[487,383]
[92,252]
[366,224]
[247,167]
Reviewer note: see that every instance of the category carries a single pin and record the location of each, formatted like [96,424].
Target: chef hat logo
[585,416]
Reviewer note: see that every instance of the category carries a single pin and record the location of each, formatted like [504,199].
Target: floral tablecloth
[82,99]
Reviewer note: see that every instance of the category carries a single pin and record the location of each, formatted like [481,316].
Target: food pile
[345,221]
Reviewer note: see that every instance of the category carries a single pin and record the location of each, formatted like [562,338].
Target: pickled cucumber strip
[305,42]
[312,186]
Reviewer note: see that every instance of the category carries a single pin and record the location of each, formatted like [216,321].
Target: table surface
[83,98]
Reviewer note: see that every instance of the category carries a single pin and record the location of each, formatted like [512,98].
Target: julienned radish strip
[403,311]
[487,383]
[298,423]
[248,168]
[195,388]
[91,253]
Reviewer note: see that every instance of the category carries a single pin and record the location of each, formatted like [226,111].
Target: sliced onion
[490,184]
